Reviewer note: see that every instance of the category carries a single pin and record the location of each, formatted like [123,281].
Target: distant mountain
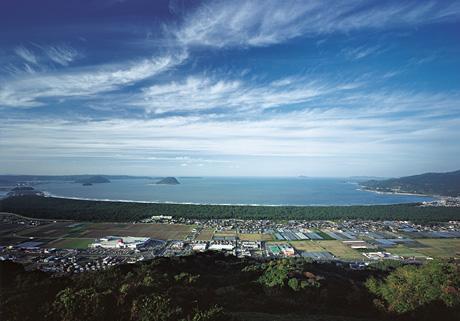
[444,184]
[97,179]
[168,181]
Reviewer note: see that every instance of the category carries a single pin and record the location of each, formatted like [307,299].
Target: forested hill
[60,208]
[445,184]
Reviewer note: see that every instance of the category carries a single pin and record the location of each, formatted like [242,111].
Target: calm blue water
[268,191]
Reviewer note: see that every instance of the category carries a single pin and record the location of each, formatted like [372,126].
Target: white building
[220,247]
[121,242]
[200,247]
[253,245]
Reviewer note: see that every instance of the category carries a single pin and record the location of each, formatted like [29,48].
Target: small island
[168,181]
[24,191]
[88,181]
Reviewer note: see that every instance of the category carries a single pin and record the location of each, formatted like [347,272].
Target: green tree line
[60,208]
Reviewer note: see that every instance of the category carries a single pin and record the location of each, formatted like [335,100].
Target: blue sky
[229,88]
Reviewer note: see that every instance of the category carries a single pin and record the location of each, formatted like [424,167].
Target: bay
[232,190]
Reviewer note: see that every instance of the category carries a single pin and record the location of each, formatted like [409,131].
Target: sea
[231,190]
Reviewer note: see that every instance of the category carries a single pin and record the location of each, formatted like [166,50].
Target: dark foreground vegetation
[209,287]
[59,208]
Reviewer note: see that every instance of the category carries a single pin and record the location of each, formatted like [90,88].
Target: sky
[229,88]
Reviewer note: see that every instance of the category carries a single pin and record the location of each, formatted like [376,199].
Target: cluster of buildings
[317,230]
[71,261]
[372,240]
[444,201]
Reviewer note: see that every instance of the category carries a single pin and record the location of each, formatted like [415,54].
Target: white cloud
[379,130]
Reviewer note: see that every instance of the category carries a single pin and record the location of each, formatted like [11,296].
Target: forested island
[98,179]
[214,287]
[83,210]
[168,181]
[444,184]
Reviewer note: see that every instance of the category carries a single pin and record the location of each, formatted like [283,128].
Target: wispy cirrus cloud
[361,52]
[61,54]
[210,92]
[83,82]
[217,24]
[262,23]
[35,58]
[26,54]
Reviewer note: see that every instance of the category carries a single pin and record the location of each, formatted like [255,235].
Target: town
[66,247]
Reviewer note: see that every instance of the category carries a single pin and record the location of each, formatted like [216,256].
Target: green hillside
[445,184]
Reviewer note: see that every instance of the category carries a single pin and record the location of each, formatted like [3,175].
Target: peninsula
[441,184]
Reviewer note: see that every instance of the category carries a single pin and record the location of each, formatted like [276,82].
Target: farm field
[11,240]
[97,230]
[52,230]
[156,231]
[205,234]
[341,250]
[322,234]
[440,248]
[307,246]
[255,237]
[225,233]
[70,243]
[8,228]
[405,251]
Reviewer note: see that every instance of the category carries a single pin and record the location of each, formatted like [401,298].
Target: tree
[410,287]
[294,284]
[154,308]
[82,304]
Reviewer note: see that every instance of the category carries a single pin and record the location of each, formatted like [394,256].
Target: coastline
[217,204]
[364,189]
